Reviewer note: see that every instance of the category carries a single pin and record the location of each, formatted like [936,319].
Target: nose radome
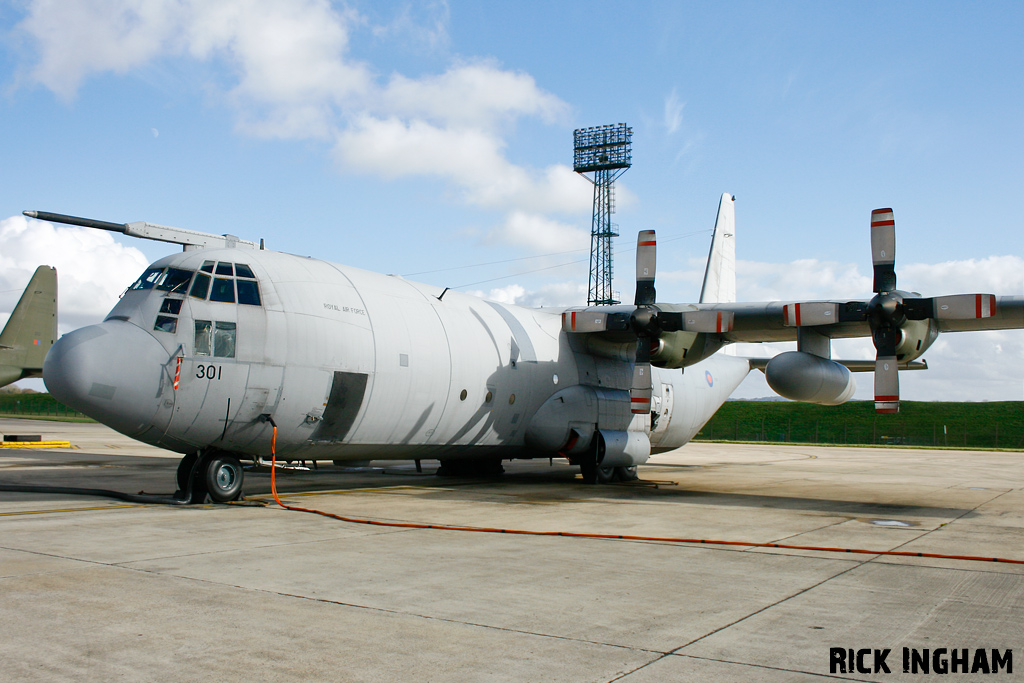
[112,372]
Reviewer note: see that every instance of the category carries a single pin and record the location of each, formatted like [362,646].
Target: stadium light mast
[605,151]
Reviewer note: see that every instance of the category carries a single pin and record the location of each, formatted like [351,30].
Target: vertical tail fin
[31,329]
[720,276]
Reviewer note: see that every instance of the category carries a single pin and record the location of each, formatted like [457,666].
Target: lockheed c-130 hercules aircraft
[224,348]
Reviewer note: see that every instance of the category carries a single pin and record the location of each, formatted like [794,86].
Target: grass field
[956,425]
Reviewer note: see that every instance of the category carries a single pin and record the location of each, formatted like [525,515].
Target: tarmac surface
[95,589]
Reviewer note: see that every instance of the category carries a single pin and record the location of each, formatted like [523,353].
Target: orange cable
[620,537]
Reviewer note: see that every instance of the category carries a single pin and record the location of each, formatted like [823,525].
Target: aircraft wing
[775,321]
[901,325]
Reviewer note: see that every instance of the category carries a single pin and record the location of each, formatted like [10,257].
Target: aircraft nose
[113,372]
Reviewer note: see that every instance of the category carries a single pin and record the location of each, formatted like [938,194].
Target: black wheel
[185,468]
[606,475]
[627,473]
[223,477]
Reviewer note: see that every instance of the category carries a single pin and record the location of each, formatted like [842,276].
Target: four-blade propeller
[645,321]
[888,310]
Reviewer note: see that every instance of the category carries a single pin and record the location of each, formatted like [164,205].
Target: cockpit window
[248,292]
[176,280]
[223,290]
[172,306]
[201,286]
[148,279]
[166,323]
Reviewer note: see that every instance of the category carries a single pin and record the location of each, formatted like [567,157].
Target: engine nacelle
[805,377]
[681,349]
[915,338]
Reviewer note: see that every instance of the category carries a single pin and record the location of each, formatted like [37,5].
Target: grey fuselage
[350,365]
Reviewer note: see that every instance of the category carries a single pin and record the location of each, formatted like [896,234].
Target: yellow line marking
[44,512]
[35,444]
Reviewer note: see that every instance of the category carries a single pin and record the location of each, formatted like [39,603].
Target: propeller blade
[887,385]
[640,392]
[887,380]
[810,313]
[883,250]
[646,259]
[953,307]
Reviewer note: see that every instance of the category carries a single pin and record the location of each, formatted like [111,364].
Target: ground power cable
[617,537]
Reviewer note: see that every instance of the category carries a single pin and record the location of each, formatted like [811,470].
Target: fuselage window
[223,290]
[224,340]
[248,292]
[207,267]
[201,286]
[165,323]
[176,280]
[172,306]
[224,268]
[204,337]
[148,279]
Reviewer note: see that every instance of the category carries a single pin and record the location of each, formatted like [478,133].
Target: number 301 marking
[208,372]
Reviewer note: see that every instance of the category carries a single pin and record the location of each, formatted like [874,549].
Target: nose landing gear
[216,474]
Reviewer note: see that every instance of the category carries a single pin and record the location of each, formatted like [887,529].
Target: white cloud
[553,295]
[289,75]
[92,269]
[475,95]
[540,234]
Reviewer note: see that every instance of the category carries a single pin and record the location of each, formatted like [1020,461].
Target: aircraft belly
[697,394]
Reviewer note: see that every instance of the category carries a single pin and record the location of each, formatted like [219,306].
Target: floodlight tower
[605,151]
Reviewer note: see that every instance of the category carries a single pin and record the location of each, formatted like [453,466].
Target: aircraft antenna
[605,151]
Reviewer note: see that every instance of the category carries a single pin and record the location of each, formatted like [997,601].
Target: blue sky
[414,137]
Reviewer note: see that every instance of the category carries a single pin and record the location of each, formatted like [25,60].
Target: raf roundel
[710,380]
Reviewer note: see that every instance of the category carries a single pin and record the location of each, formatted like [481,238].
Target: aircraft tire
[222,477]
[627,473]
[607,475]
[185,467]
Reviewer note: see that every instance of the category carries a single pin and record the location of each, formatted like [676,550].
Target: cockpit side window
[204,338]
[215,338]
[224,340]
[207,267]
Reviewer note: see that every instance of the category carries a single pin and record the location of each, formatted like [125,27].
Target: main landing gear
[216,474]
[595,474]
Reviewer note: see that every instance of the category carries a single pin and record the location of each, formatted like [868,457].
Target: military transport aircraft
[31,329]
[218,350]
